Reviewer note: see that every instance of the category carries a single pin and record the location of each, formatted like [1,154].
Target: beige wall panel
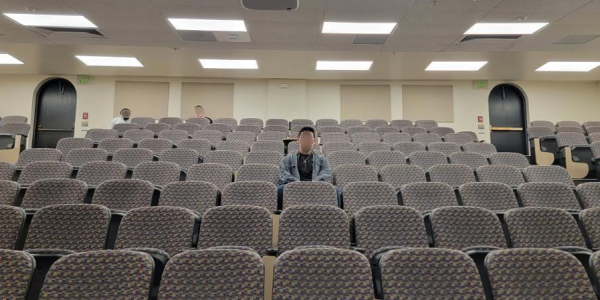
[216,98]
[365,102]
[428,102]
[145,99]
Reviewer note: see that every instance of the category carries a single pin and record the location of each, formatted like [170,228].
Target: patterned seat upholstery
[167,229]
[237,225]
[143,121]
[38,154]
[351,123]
[121,128]
[404,271]
[442,131]
[68,228]
[370,146]
[214,136]
[174,135]
[194,273]
[229,121]
[327,122]
[7,171]
[539,131]
[95,172]
[590,218]
[595,148]
[401,123]
[414,130]
[540,227]
[12,220]
[301,122]
[592,130]
[15,129]
[239,146]
[346,174]
[184,158]
[97,135]
[256,193]
[396,137]
[256,130]
[45,170]
[277,128]
[14,119]
[194,195]
[516,160]
[157,127]
[224,128]
[508,175]
[84,276]
[201,146]
[111,145]
[362,194]
[427,196]
[16,270]
[569,139]
[380,227]
[569,129]
[47,192]
[331,129]
[137,135]
[559,275]
[276,146]
[472,134]
[258,172]
[65,145]
[386,129]
[334,137]
[568,124]
[158,173]
[133,157]
[218,174]
[346,157]
[458,138]
[494,196]
[453,175]
[359,129]
[444,147]
[189,127]
[408,148]
[399,175]
[295,130]
[374,123]
[463,227]
[170,120]
[243,136]
[427,159]
[78,157]
[594,138]
[272,136]
[233,159]
[277,122]
[427,138]
[124,194]
[313,225]
[252,122]
[426,123]
[380,159]
[331,147]
[589,124]
[325,273]
[8,192]
[360,137]
[543,123]
[548,194]
[485,149]
[309,193]
[264,157]
[589,193]
[471,159]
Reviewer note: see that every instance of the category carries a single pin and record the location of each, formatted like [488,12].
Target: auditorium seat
[95,172]
[78,157]
[590,219]
[174,135]
[399,175]
[122,195]
[235,145]
[277,128]
[252,122]
[7,170]
[441,131]
[264,157]
[543,145]
[301,122]
[258,172]
[194,195]
[559,275]
[111,145]
[590,124]
[396,137]
[38,170]
[485,149]
[589,193]
[543,123]
[516,160]
[256,130]
[358,129]
[216,274]
[345,157]
[65,145]
[575,153]
[548,194]
[591,130]
[471,159]
[362,194]
[218,174]
[272,136]
[45,192]
[309,193]
[427,159]
[184,158]
[277,122]
[326,122]
[233,159]
[200,121]
[360,137]
[14,119]
[255,193]
[427,196]
[157,127]
[567,124]
[223,128]
[12,220]
[451,174]
[276,146]
[443,147]
[190,128]
[137,135]
[408,148]
[386,129]
[374,123]
[122,127]
[382,158]
[170,120]
[201,146]
[426,123]
[345,174]
[334,137]
[458,138]
[570,129]
[427,138]
[37,155]
[331,147]
[242,136]
[16,270]
[547,174]
[158,173]
[8,192]
[350,123]
[143,121]
[401,123]
[330,129]
[214,136]
[414,130]
[495,196]
[229,121]
[133,157]
[508,175]
[594,137]
[472,134]
[367,147]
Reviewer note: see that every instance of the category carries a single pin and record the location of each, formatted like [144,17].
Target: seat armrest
[359,250]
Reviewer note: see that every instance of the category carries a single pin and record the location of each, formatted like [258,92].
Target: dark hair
[307,128]
[124,109]
[198,106]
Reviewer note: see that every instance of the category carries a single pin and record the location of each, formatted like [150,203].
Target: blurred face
[126,114]
[199,111]
[306,141]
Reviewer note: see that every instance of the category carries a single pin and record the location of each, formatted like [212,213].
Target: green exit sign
[480,84]
[85,79]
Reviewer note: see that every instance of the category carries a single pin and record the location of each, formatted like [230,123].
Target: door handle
[506,128]
[54,130]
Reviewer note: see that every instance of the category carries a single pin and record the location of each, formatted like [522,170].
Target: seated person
[304,165]
[199,112]
[125,117]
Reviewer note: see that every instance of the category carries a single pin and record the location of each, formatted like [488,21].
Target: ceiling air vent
[270,4]
[490,39]
[575,39]
[370,39]
[68,32]
[197,36]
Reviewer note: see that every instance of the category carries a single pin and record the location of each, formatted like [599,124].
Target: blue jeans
[280,188]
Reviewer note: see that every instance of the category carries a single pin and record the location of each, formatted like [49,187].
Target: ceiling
[287,44]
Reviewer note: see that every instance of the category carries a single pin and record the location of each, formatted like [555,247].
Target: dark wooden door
[55,113]
[508,119]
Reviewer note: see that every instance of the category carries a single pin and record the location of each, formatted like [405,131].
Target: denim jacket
[288,170]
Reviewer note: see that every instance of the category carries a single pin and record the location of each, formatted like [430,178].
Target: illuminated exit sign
[85,79]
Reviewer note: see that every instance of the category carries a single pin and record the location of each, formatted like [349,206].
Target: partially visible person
[304,165]
[199,112]
[125,117]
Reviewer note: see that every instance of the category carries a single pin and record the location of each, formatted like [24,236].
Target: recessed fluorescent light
[505,28]
[324,65]
[109,61]
[246,64]
[52,20]
[456,65]
[208,25]
[358,28]
[7,59]
[568,66]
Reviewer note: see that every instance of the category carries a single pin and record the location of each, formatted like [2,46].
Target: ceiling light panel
[568,66]
[208,25]
[324,65]
[243,64]
[109,61]
[358,28]
[7,59]
[455,65]
[505,28]
[65,21]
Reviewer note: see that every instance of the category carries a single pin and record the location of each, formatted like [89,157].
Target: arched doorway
[55,109]
[508,119]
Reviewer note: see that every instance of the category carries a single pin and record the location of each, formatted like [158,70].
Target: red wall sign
[85,115]
[480,119]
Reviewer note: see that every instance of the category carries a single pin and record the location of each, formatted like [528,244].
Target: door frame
[525,108]
[35,106]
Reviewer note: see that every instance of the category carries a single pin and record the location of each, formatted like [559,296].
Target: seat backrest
[252,122]
[258,172]
[458,138]
[242,274]
[137,135]
[589,124]
[277,122]
[16,271]
[111,145]
[301,122]
[7,170]
[358,129]
[568,139]
[157,127]
[426,123]
[442,131]
[65,145]
[463,227]
[548,174]
[543,123]
[362,194]
[313,225]
[370,146]
[8,192]
[427,138]
[264,157]
[346,157]
[589,193]
[590,219]
[256,193]
[508,175]
[331,129]
[12,220]
[539,131]
[133,157]
[38,170]
[516,160]
[401,123]
[143,121]
[189,127]
[548,194]
[229,121]
[184,158]
[327,122]
[396,137]
[485,149]
[38,154]
[591,130]
[218,174]
[233,159]
[309,193]
[124,194]
[427,196]
[214,136]
[414,130]
[201,146]
[239,146]
[244,136]
[174,135]
[453,175]
[121,128]
[276,146]
[494,196]
[595,148]
[334,137]
[46,192]
[222,127]
[200,121]
[542,227]
[77,276]
[326,273]
[98,134]
[277,128]
[71,227]
[95,172]
[170,120]
[386,129]
[345,174]
[194,195]
[256,130]
[472,134]
[444,147]
[14,119]
[360,137]
[471,159]
[427,159]
[78,157]
[558,275]
[382,158]
[158,173]
[15,128]
[459,276]
[569,129]
[351,123]
[568,124]
[408,148]
[331,147]
[399,175]
[374,123]
[237,225]
[272,136]
[169,229]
